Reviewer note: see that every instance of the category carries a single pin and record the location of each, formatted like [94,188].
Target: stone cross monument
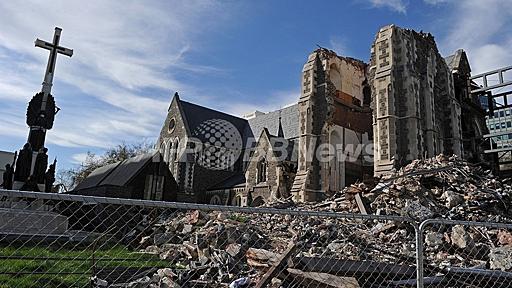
[32,162]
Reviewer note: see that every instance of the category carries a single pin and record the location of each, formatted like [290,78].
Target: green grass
[238,218]
[54,271]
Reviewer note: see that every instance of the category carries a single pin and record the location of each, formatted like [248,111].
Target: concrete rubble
[228,249]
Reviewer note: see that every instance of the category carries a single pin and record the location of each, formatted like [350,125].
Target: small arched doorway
[215,200]
[258,202]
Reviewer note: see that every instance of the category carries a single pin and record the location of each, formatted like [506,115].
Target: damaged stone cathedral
[353,121]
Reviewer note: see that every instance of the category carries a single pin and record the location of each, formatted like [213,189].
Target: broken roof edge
[328,53]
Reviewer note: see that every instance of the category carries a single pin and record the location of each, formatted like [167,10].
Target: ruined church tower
[312,98]
[333,112]
[415,113]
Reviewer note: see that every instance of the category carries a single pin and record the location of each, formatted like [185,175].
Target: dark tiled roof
[270,120]
[127,170]
[94,179]
[195,115]
[116,174]
[235,180]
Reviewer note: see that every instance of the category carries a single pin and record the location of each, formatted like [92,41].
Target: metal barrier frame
[420,228]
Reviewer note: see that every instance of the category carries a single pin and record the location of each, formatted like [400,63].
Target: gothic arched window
[174,152]
[167,151]
[262,171]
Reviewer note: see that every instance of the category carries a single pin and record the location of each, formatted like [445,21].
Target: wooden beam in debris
[321,280]
[277,267]
[462,277]
[354,268]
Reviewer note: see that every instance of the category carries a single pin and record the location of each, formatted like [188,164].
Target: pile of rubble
[439,187]
[220,249]
[228,249]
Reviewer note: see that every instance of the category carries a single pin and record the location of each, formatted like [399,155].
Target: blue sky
[236,56]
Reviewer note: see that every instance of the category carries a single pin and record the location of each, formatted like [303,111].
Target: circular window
[172,125]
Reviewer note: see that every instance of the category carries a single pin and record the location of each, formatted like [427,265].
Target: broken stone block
[197,217]
[140,283]
[187,229]
[460,237]
[505,238]
[453,199]
[501,258]
[260,257]
[434,239]
[167,282]
[152,249]
[276,283]
[165,272]
[162,238]
[233,249]
[416,211]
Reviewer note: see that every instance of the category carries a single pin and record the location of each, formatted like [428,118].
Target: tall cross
[50,68]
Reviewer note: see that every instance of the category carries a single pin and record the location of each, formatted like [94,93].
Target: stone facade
[268,176]
[333,106]
[177,144]
[415,112]
[351,121]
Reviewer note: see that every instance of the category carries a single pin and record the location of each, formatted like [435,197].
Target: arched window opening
[167,151]
[262,171]
[215,200]
[175,147]
[258,202]
[163,149]
[238,201]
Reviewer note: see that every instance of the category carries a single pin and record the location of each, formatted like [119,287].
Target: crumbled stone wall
[332,94]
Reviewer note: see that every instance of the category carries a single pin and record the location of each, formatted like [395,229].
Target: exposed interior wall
[332,101]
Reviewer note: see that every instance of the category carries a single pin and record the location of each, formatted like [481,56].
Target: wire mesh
[54,240]
[467,254]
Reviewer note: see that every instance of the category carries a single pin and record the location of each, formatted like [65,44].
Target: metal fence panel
[55,240]
[466,254]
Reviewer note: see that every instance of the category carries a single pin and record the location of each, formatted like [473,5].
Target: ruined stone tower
[333,112]
[415,113]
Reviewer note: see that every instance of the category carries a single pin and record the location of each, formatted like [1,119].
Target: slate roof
[116,174]
[235,180]
[128,169]
[196,114]
[270,120]
[94,179]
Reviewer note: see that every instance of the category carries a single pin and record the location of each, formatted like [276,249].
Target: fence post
[419,254]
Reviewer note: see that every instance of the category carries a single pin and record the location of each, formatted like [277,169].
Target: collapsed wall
[415,112]
[333,111]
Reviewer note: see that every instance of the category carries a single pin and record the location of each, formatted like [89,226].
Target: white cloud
[122,48]
[394,5]
[337,44]
[436,2]
[78,158]
[484,30]
[276,100]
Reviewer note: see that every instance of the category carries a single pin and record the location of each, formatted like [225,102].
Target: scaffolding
[494,88]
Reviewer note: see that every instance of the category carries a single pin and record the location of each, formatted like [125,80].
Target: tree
[68,179]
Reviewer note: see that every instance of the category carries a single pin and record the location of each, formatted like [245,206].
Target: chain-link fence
[56,240]
[466,254]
